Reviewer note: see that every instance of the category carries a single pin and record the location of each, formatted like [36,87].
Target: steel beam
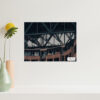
[28,28]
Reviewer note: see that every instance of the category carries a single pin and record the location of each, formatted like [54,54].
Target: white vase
[5,81]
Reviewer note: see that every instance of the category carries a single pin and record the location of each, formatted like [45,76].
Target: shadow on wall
[2,32]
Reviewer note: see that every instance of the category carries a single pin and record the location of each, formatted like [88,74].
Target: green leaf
[11,32]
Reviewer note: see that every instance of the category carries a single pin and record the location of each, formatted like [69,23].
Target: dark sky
[48,27]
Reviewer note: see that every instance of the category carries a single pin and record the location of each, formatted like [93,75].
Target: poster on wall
[50,41]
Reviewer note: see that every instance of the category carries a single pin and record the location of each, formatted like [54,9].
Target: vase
[5,81]
[10,69]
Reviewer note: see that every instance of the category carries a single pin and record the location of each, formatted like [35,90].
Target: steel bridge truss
[45,41]
[50,37]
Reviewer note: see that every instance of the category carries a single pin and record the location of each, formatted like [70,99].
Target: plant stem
[4,50]
[0,59]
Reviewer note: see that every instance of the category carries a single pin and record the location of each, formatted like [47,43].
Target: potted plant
[5,80]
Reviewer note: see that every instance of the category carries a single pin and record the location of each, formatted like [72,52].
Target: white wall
[86,71]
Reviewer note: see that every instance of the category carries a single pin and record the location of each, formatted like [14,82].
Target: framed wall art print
[50,41]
